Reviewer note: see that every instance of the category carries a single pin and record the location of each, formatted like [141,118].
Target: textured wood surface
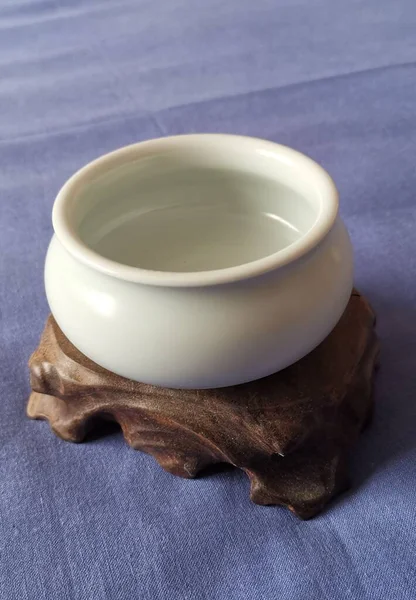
[290,432]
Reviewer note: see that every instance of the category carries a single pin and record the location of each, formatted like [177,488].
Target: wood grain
[290,432]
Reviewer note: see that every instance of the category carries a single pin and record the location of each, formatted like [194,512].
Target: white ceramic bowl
[198,261]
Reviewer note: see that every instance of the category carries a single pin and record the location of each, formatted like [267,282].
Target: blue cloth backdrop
[333,78]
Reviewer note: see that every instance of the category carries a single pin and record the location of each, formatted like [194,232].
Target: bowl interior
[194,209]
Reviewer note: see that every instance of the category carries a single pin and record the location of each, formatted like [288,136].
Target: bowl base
[290,432]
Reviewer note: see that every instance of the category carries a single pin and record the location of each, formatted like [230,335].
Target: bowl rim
[69,238]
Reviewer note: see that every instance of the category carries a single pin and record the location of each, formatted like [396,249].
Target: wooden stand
[290,432]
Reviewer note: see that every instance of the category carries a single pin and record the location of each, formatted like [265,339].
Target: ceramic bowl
[198,261]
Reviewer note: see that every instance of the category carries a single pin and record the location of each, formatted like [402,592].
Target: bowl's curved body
[202,337]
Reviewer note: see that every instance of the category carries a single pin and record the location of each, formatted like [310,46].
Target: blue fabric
[333,78]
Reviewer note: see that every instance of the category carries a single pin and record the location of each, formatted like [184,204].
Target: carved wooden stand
[289,432]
